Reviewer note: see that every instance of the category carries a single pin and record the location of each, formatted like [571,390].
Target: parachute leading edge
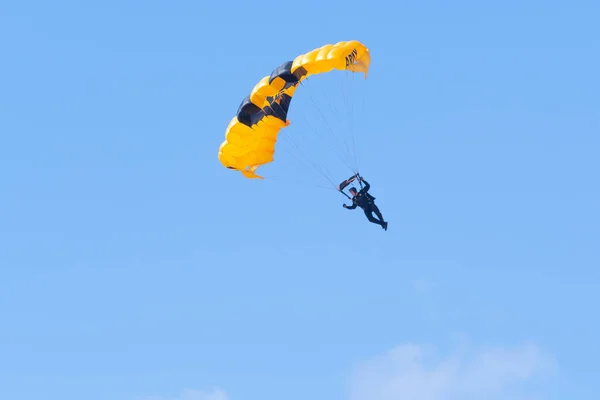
[251,135]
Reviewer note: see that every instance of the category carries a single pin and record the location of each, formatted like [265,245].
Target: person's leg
[371,218]
[377,212]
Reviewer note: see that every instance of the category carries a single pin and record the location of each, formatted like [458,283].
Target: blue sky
[134,266]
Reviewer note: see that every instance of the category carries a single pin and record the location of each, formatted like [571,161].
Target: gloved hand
[344,205]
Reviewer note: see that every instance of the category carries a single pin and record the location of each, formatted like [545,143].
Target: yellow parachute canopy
[251,135]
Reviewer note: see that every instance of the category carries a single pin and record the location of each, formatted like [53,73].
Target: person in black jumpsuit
[365,201]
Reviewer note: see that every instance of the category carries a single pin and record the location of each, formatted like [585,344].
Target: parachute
[251,135]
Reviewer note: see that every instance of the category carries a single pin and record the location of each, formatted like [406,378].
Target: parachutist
[365,201]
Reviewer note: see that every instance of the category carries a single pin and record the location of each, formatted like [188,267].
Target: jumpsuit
[365,201]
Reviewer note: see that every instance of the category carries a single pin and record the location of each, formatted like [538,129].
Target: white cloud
[411,372]
[423,285]
[215,394]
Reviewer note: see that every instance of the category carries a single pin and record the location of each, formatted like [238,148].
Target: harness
[370,199]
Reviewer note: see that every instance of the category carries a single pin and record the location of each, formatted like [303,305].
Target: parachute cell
[251,135]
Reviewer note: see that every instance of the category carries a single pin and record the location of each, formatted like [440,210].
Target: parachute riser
[347,182]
